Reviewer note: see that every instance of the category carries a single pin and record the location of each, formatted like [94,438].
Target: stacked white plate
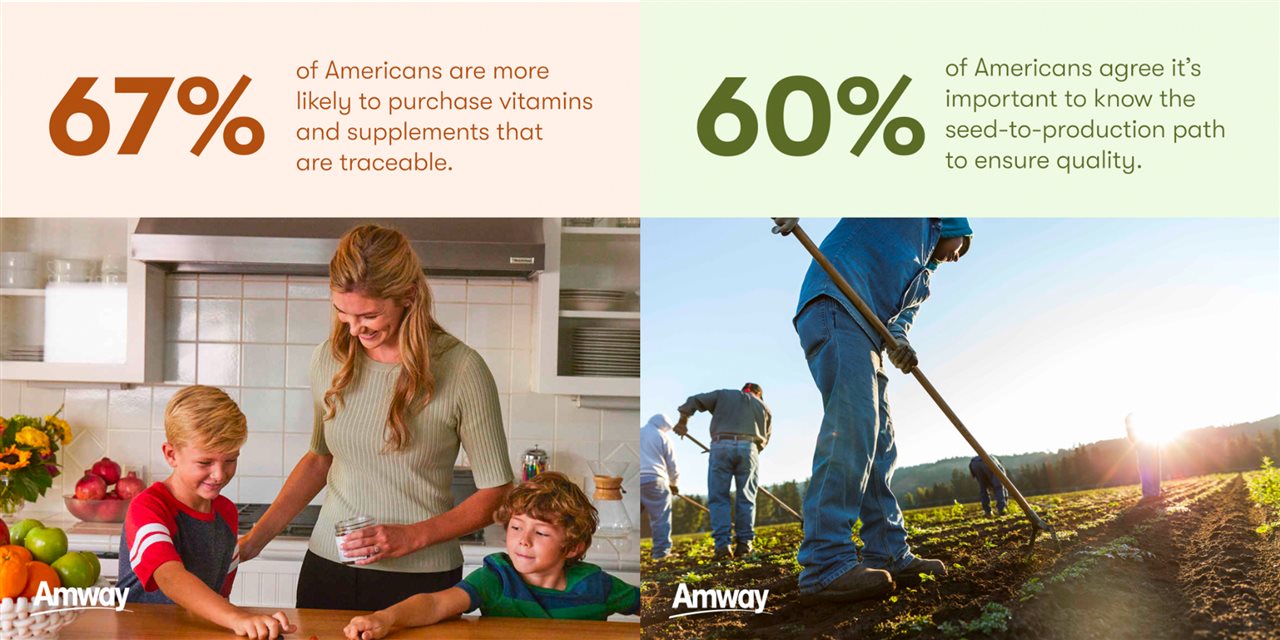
[590,299]
[25,353]
[606,351]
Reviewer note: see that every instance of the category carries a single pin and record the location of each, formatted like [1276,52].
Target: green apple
[46,543]
[92,560]
[75,570]
[19,531]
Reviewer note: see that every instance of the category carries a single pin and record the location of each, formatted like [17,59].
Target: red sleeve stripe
[146,536]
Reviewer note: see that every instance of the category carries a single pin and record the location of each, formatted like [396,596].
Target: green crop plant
[995,618]
[1264,488]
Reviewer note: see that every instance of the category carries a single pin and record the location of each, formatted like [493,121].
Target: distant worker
[658,478]
[889,263]
[740,429]
[1148,458]
[988,483]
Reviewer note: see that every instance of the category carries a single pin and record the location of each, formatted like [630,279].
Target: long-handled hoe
[1037,524]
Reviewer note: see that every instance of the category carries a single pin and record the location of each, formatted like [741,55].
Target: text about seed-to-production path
[1074,116]
[415,118]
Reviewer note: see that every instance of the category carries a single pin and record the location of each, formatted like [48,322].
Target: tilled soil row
[1191,571]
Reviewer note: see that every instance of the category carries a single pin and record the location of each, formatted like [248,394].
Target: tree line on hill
[1101,464]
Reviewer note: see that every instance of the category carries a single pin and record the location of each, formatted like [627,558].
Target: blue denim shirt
[886,261]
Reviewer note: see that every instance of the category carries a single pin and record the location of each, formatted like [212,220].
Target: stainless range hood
[510,247]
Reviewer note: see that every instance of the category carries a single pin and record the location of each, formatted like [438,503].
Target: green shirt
[589,593]
[413,484]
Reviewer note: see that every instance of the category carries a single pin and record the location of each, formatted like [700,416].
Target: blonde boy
[179,542]
[549,523]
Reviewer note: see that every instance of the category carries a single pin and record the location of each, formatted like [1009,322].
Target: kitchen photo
[319,427]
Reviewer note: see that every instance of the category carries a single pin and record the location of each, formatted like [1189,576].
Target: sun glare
[1149,432]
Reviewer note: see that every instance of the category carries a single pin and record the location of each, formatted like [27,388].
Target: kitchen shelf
[582,258]
[603,315]
[128,316]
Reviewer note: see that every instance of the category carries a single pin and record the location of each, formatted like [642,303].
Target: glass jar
[343,527]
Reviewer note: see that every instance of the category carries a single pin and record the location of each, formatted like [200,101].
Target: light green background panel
[688,50]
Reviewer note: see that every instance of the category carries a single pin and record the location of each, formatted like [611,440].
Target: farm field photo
[1190,565]
[1090,454]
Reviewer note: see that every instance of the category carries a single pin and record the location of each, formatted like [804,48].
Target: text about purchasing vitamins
[409,118]
[1074,117]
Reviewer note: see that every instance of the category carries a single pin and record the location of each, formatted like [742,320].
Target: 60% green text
[722,103]
[196,95]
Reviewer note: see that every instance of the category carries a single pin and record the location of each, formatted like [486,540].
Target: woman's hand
[249,546]
[381,542]
[370,627]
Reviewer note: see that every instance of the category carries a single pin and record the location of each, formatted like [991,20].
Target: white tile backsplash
[264,320]
[218,364]
[299,415]
[265,287]
[129,408]
[219,320]
[254,337]
[263,409]
[263,365]
[180,362]
[489,326]
[308,321]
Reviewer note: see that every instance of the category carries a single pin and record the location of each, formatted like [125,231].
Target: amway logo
[74,598]
[718,600]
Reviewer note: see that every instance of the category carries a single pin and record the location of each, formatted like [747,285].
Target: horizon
[1042,338]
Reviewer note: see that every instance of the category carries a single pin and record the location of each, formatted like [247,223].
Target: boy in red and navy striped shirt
[179,542]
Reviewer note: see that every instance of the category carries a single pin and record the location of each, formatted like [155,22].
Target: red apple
[90,487]
[107,470]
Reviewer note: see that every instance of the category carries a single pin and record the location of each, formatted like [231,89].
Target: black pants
[333,585]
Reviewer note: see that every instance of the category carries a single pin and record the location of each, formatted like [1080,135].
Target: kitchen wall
[253,337]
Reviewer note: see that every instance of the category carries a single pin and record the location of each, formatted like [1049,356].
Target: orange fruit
[38,572]
[17,550]
[13,575]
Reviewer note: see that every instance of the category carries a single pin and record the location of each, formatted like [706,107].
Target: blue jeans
[855,454]
[655,497]
[732,461]
[988,486]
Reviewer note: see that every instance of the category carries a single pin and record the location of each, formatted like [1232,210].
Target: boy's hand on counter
[257,626]
[381,542]
[370,627]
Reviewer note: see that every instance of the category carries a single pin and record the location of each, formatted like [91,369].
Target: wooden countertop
[170,621]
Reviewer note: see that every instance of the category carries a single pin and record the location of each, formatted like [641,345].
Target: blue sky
[1043,336]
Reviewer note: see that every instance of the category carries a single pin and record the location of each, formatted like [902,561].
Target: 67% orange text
[196,95]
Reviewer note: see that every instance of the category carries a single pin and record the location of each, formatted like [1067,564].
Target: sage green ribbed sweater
[415,483]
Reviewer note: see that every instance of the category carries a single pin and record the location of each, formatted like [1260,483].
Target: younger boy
[549,523]
[179,542]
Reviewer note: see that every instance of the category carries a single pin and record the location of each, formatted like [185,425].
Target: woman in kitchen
[394,397]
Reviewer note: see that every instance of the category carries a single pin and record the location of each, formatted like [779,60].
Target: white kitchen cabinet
[102,332]
[583,258]
[266,583]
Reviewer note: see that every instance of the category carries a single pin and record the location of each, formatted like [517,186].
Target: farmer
[988,484]
[888,262]
[658,478]
[1148,459]
[740,428]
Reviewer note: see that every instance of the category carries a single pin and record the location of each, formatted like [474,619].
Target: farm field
[1189,565]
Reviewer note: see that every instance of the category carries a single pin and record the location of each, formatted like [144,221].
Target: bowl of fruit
[102,495]
[32,570]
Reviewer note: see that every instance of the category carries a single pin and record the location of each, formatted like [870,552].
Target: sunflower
[14,458]
[62,428]
[34,438]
